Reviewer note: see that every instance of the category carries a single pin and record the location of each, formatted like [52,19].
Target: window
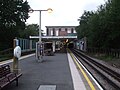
[74,31]
[57,32]
[51,32]
[69,30]
[62,29]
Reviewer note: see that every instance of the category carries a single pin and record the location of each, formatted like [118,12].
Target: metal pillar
[30,44]
[15,60]
[40,41]
[53,46]
[40,27]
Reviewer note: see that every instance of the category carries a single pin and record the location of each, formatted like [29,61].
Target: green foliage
[13,15]
[13,12]
[101,27]
[30,30]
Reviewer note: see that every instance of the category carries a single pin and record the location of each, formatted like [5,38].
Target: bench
[6,76]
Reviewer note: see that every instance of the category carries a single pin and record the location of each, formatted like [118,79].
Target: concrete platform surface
[52,74]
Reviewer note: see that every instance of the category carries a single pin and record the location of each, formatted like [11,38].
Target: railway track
[111,76]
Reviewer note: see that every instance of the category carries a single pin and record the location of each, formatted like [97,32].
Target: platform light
[49,11]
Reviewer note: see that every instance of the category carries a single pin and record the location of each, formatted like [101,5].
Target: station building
[63,34]
[58,35]
[60,31]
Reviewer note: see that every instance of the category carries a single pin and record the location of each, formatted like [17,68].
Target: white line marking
[100,87]
[11,60]
[77,81]
[47,87]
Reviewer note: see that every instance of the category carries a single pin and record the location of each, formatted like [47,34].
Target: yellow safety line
[84,74]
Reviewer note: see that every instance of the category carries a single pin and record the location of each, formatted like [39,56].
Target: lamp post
[40,41]
[49,10]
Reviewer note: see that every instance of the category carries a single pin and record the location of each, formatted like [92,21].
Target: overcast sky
[65,12]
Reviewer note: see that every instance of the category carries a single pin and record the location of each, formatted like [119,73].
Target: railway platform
[57,72]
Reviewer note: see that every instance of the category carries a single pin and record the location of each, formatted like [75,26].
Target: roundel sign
[17,51]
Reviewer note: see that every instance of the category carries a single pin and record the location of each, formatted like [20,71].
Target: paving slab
[53,71]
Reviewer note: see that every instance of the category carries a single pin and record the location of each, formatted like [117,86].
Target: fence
[109,52]
[27,46]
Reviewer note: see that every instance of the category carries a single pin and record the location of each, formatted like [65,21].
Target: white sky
[65,12]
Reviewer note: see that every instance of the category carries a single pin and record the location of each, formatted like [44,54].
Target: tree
[114,23]
[13,12]
[83,28]
[30,30]
[13,15]
[101,27]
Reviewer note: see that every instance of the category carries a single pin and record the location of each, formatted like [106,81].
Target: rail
[109,74]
